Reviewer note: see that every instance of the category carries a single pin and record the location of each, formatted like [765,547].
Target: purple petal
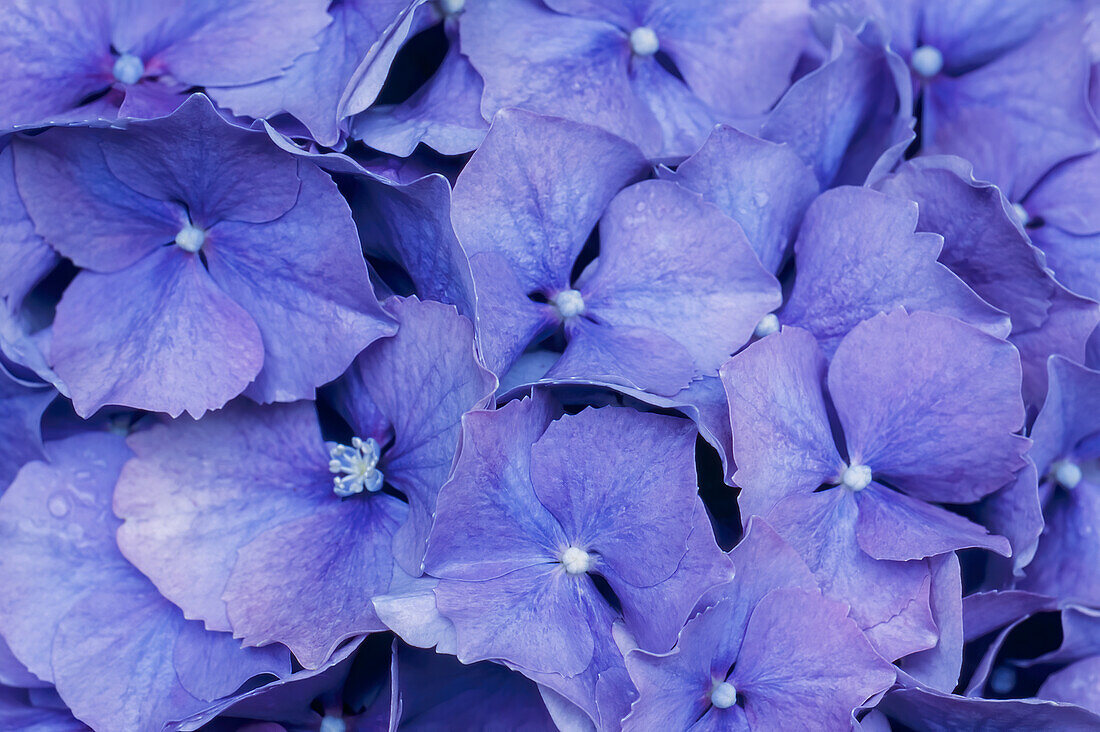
[674,263]
[940,667]
[423,379]
[110,629]
[889,600]
[1078,683]
[1065,563]
[639,357]
[196,158]
[857,256]
[21,409]
[197,492]
[218,43]
[512,199]
[737,56]
[314,89]
[303,279]
[802,658]
[948,435]
[982,244]
[782,441]
[970,34]
[534,617]
[840,118]
[174,342]
[1019,116]
[763,186]
[895,526]
[488,520]
[951,712]
[44,78]
[593,471]
[444,114]
[342,552]
[570,67]
[81,209]
[25,258]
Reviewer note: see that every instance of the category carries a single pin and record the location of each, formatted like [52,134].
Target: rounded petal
[930,404]
[171,340]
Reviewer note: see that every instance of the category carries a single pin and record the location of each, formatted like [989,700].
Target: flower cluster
[601,365]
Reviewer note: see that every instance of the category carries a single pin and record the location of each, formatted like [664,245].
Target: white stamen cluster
[355,467]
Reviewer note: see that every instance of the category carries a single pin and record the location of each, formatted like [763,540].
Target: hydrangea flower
[80,616]
[659,73]
[211,286]
[768,652]
[233,514]
[537,509]
[675,289]
[926,407]
[80,60]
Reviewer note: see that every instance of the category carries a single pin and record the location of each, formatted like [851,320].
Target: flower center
[451,7]
[332,724]
[856,477]
[927,61]
[190,238]
[355,467]
[643,41]
[723,695]
[767,325]
[569,303]
[1068,474]
[576,561]
[128,69]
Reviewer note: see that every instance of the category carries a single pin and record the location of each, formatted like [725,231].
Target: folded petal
[941,666]
[857,256]
[21,409]
[930,404]
[848,118]
[303,280]
[982,244]
[25,258]
[782,441]
[671,262]
[172,341]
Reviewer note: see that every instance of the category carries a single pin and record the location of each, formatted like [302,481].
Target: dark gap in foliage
[606,592]
[587,255]
[414,64]
[719,498]
[918,111]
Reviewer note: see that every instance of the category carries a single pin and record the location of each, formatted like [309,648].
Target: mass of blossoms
[580,365]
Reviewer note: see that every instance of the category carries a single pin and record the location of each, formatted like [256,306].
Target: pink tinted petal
[197,492]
